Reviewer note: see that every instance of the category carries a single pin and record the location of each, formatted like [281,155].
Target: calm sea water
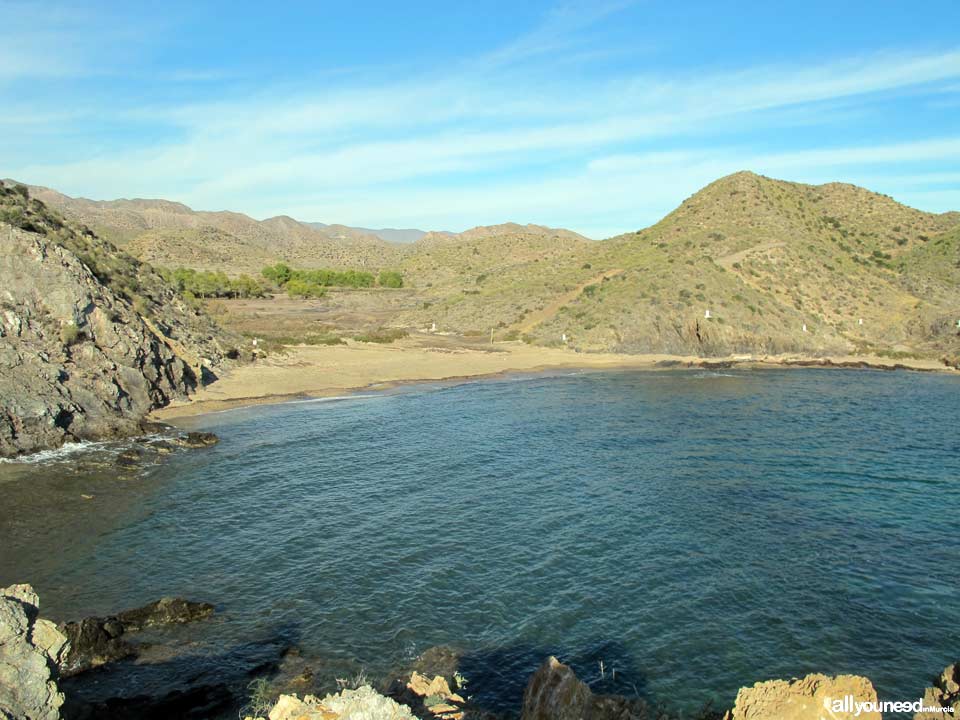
[693,531]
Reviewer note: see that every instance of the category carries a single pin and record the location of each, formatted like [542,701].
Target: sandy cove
[323,371]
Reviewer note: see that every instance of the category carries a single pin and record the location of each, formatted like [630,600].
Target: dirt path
[727,261]
[541,316]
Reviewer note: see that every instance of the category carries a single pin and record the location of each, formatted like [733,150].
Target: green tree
[390,279]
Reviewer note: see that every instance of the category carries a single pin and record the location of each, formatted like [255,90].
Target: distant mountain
[169,234]
[504,229]
[393,235]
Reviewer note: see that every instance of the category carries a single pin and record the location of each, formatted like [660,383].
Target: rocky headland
[91,339]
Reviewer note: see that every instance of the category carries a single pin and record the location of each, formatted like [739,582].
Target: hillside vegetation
[768,258]
[747,265]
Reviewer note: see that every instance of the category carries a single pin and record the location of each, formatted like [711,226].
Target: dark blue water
[694,531]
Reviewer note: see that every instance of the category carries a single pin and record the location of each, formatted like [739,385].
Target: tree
[390,279]
[278,274]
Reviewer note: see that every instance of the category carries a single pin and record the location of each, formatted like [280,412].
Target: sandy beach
[322,371]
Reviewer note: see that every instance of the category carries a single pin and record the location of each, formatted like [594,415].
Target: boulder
[196,440]
[809,698]
[944,693]
[363,703]
[31,649]
[96,641]
[555,693]
[166,611]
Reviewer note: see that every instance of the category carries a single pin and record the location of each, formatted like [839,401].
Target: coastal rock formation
[944,693]
[555,693]
[90,339]
[804,699]
[31,649]
[364,703]
[95,641]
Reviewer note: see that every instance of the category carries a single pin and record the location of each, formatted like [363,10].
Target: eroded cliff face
[30,650]
[90,339]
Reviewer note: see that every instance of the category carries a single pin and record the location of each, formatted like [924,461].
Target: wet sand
[323,371]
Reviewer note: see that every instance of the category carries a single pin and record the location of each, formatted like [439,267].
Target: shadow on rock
[189,685]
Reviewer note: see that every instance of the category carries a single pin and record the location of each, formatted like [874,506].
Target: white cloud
[393,152]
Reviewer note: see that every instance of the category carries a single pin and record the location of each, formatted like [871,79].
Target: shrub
[70,334]
[304,289]
[278,274]
[391,279]
[381,335]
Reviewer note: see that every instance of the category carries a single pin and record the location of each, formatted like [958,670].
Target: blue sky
[600,117]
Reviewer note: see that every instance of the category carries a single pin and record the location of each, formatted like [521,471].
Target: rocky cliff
[90,338]
[30,651]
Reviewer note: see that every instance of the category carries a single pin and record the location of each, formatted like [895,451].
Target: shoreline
[316,372]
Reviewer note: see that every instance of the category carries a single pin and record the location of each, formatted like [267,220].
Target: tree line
[211,284]
[297,283]
[313,283]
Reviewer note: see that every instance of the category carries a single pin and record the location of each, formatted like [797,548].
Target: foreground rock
[807,699]
[944,693]
[31,649]
[364,703]
[555,693]
[91,339]
[95,641]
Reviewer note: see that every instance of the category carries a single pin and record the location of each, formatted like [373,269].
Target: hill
[749,264]
[91,339]
[780,266]
[169,234]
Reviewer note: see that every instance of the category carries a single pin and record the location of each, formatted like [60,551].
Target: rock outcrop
[809,698]
[90,338]
[555,693]
[95,641]
[31,649]
[944,693]
[364,703]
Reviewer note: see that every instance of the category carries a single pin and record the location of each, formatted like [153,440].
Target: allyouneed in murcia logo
[848,706]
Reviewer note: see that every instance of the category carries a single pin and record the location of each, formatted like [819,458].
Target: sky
[596,116]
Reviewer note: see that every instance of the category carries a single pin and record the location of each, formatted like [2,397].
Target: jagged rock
[555,693]
[166,611]
[197,440]
[425,687]
[944,693]
[364,703]
[30,650]
[95,641]
[804,699]
[91,340]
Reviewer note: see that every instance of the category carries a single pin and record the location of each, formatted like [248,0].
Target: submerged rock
[807,699]
[95,641]
[195,440]
[31,649]
[555,693]
[165,611]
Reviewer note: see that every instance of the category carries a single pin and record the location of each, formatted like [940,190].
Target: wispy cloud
[486,138]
